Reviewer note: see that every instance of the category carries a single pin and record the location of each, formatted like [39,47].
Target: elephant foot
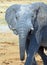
[34,62]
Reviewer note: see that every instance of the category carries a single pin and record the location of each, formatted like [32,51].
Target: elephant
[40,51]
[15,17]
[25,18]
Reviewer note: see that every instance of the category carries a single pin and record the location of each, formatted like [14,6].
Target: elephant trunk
[23,29]
[22,42]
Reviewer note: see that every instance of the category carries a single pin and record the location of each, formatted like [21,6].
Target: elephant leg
[34,62]
[33,48]
[27,46]
[28,42]
[43,56]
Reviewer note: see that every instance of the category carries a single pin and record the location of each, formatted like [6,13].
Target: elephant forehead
[24,10]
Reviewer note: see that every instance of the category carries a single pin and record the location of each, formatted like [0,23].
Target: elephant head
[20,19]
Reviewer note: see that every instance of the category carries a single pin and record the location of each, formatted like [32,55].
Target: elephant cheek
[22,41]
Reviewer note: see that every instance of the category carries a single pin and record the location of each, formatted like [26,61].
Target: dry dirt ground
[9,50]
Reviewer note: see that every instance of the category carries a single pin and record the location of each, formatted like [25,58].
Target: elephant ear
[35,11]
[10,15]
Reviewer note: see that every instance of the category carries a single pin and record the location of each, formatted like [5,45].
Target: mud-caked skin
[25,18]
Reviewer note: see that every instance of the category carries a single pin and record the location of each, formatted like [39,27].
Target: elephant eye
[16,17]
[32,16]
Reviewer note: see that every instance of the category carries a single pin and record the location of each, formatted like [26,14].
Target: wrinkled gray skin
[24,18]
